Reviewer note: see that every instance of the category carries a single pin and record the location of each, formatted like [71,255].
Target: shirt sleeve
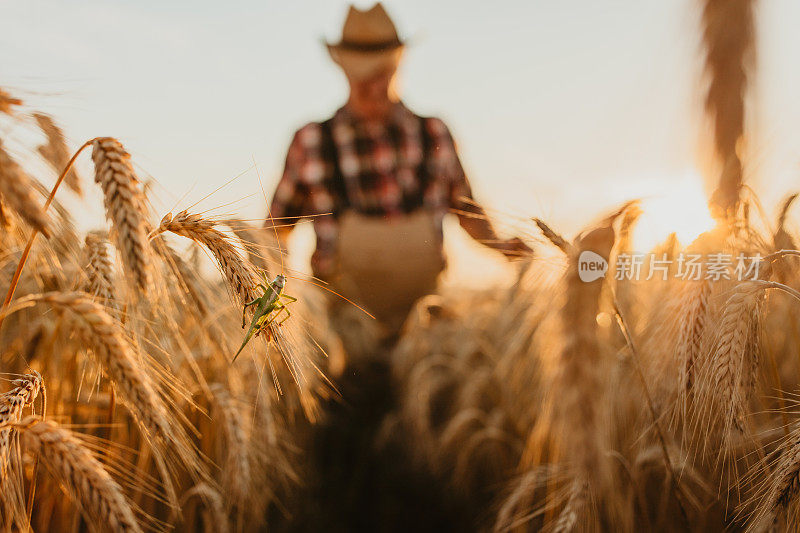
[290,201]
[445,159]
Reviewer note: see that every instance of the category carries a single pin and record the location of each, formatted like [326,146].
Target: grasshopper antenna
[321,286]
[236,177]
[269,213]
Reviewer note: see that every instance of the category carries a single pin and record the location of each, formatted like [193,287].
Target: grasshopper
[266,305]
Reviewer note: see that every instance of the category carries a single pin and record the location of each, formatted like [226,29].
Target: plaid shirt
[382,169]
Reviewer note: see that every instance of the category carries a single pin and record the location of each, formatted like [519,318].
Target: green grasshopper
[266,305]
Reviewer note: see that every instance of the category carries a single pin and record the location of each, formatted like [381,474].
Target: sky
[561,110]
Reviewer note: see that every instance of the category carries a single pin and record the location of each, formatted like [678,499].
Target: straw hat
[369,43]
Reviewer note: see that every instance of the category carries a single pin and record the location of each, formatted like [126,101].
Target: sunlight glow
[681,206]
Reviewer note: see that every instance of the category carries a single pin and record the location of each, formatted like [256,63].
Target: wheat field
[549,403]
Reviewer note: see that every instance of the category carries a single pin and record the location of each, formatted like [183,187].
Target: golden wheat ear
[56,152]
[99,496]
[125,207]
[8,102]
[557,240]
[238,272]
[17,191]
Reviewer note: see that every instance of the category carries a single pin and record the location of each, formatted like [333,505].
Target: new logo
[591,266]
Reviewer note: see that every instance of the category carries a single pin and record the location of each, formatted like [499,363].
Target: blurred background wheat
[540,401]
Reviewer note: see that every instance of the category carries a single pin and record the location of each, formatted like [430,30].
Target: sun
[680,206]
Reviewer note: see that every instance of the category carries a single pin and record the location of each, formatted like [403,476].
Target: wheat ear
[238,273]
[236,474]
[132,384]
[557,240]
[569,516]
[729,39]
[782,239]
[7,101]
[17,191]
[99,496]
[213,501]
[56,152]
[125,207]
[187,276]
[693,308]
[99,269]
[777,495]
[12,404]
[735,361]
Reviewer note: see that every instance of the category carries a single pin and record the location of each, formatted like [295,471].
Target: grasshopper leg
[283,307]
[244,310]
[264,320]
[269,319]
[288,314]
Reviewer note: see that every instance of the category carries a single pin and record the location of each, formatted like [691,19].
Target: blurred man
[387,175]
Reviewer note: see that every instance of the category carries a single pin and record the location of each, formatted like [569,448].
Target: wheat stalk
[578,381]
[580,355]
[125,207]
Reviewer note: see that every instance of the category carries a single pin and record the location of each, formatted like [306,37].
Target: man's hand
[480,229]
[513,248]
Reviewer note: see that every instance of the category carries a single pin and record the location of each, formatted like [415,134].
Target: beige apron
[386,265]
